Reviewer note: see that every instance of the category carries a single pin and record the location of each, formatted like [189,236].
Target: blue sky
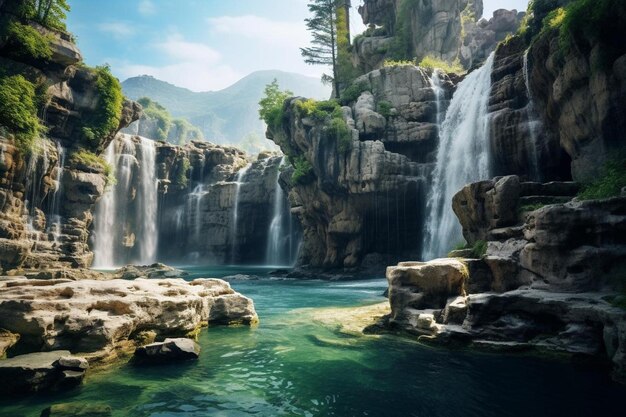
[201,44]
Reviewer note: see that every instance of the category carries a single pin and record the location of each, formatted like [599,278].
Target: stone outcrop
[102,319]
[77,410]
[445,29]
[361,204]
[42,371]
[170,350]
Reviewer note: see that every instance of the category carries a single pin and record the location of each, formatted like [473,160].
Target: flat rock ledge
[41,371]
[429,299]
[103,320]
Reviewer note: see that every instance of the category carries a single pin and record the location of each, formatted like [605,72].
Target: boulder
[41,371]
[423,285]
[170,350]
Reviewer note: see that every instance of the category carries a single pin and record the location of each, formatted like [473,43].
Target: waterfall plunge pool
[293,365]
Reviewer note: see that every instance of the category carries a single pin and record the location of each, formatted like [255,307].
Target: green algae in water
[291,365]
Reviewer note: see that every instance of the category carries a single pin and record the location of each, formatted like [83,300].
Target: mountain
[225,116]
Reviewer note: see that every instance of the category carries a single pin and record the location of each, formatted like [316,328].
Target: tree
[331,37]
[271,105]
[49,13]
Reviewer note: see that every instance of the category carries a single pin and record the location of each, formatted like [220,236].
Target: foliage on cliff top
[105,120]
[318,110]
[18,110]
[271,105]
[581,23]
[430,62]
[89,160]
[25,42]
[48,13]
[610,182]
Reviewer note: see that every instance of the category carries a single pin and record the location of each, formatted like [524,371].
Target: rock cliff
[48,192]
[362,201]
[449,30]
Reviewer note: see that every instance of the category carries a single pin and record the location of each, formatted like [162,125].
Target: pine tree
[327,24]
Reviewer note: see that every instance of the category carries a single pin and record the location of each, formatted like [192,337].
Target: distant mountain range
[225,116]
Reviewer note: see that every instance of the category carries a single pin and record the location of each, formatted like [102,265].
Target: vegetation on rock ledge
[610,182]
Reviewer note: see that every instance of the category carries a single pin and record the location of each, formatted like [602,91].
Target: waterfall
[241,176]
[435,83]
[148,202]
[534,124]
[117,227]
[463,157]
[54,211]
[275,253]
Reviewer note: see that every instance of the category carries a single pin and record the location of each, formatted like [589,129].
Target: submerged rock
[41,371]
[169,350]
[104,318]
[157,270]
[77,410]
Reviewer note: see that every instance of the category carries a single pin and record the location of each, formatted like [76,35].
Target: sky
[202,45]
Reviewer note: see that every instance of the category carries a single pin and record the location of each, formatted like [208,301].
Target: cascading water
[280,246]
[147,209]
[241,176]
[463,157]
[54,211]
[115,224]
[534,125]
[435,82]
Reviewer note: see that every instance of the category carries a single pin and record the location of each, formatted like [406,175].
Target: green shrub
[431,63]
[303,171]
[18,110]
[105,120]
[401,47]
[318,110]
[610,182]
[182,178]
[271,105]
[90,160]
[26,42]
[353,92]
[340,131]
[384,108]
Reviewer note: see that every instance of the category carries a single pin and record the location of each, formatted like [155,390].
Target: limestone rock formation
[362,201]
[581,100]
[446,29]
[47,197]
[104,318]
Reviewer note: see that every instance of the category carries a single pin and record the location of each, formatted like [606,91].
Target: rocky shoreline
[76,323]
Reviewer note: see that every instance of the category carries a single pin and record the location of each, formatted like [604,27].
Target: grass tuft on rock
[432,63]
[610,183]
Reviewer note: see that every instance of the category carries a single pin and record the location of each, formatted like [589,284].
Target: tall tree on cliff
[331,37]
[49,13]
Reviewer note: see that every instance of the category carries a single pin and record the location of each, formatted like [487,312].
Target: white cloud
[261,29]
[116,29]
[146,7]
[192,65]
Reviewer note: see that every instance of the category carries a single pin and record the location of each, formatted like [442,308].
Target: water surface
[292,366]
